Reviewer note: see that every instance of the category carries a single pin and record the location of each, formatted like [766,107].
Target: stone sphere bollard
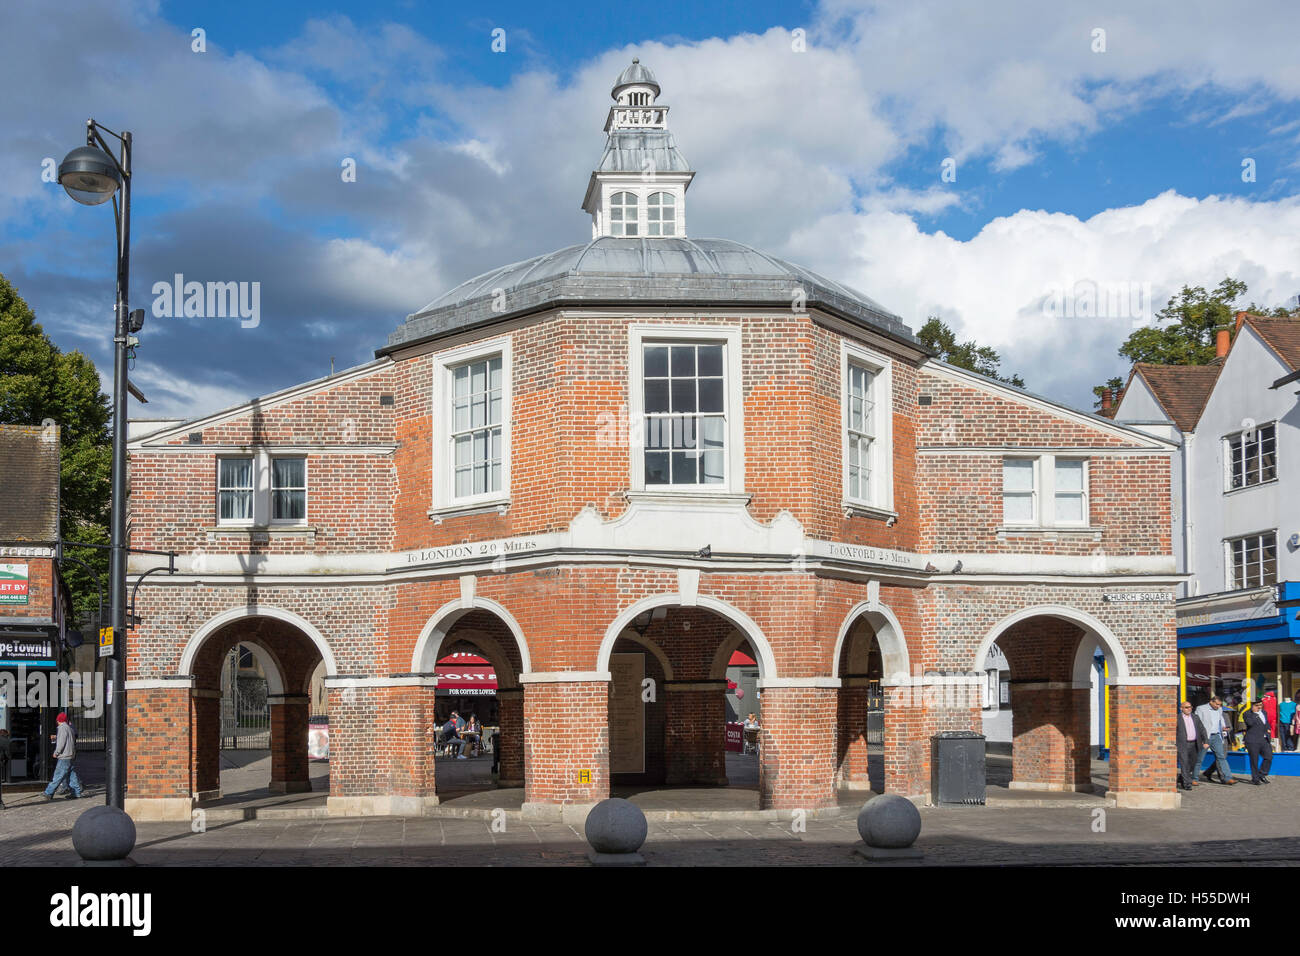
[104,836]
[616,828]
[889,825]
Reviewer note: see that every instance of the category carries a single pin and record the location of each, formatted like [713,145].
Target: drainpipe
[1189,588]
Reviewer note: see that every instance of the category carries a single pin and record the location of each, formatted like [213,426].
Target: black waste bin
[957,768]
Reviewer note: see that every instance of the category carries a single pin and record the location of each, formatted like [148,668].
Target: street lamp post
[92,175]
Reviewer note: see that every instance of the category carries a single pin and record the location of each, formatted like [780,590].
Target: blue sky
[1116,167]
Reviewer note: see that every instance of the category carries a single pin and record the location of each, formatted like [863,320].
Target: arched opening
[250,710]
[682,681]
[860,711]
[1047,680]
[477,654]
[870,651]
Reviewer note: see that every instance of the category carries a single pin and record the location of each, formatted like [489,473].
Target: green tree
[981,359]
[38,381]
[1185,329]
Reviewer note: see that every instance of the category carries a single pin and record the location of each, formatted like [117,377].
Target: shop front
[467,684]
[1239,646]
[28,659]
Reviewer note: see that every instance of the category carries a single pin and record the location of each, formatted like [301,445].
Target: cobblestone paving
[1221,825]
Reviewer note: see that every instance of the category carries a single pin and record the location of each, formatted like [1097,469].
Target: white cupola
[639,188]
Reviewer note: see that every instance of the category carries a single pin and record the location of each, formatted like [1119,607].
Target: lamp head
[89,175]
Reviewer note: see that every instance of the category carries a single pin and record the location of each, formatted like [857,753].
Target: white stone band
[564,677]
[159,683]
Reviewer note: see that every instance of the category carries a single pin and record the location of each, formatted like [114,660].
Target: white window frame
[1048,464]
[443,481]
[882,447]
[733,408]
[262,500]
[251,521]
[1035,510]
[672,197]
[1043,497]
[1230,571]
[270,490]
[1230,440]
[637,221]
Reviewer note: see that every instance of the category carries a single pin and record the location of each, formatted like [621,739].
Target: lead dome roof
[638,271]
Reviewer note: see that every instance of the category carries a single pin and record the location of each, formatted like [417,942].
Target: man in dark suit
[1258,745]
[1192,743]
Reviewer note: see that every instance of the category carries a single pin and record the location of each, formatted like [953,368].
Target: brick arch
[888,634]
[1050,702]
[738,618]
[428,645]
[195,644]
[1082,663]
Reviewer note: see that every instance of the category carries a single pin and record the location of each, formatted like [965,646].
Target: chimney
[1106,398]
[1241,317]
[1222,339]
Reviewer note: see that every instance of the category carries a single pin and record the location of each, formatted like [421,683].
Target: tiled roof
[29,474]
[1181,390]
[1281,335]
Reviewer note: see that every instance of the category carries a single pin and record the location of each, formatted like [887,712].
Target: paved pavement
[1217,824]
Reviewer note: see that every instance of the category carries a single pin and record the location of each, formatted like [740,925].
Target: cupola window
[661,215]
[623,214]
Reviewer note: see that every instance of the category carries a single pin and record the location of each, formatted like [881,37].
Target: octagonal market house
[606,470]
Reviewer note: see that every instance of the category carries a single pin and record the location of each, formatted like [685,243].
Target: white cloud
[993,286]
[795,152]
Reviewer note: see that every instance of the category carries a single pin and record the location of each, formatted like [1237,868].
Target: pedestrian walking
[1258,743]
[1212,718]
[1192,743]
[65,752]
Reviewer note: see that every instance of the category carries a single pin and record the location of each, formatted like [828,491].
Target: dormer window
[623,214]
[661,215]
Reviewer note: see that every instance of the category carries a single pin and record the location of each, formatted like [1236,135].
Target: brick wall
[797,748]
[158,742]
[565,735]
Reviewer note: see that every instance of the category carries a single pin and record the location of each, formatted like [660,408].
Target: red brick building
[35,607]
[606,469]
